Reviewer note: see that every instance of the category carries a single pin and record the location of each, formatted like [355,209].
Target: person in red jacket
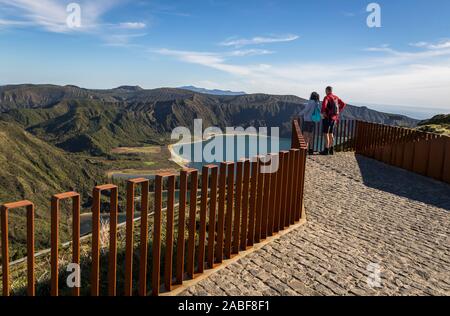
[332,107]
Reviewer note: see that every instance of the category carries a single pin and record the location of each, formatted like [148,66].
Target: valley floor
[364,217]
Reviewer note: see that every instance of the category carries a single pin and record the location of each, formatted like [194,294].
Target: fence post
[238,207]
[212,215]
[245,204]
[193,173]
[259,201]
[168,260]
[157,225]
[203,213]
[230,208]
[112,260]
[131,186]
[273,192]
[190,263]
[30,245]
[252,204]
[265,201]
[224,166]
[55,212]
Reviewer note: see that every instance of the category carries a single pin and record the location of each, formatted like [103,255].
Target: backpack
[316,117]
[332,107]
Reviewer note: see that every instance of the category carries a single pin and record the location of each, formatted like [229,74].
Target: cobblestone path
[363,217]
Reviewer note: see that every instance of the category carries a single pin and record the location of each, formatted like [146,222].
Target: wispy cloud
[240,42]
[207,59]
[249,52]
[51,16]
[434,46]
[382,75]
[132,25]
[13,23]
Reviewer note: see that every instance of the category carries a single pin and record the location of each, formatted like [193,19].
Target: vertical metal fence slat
[279,191]
[273,193]
[212,217]
[131,186]
[181,227]
[291,192]
[203,213]
[252,203]
[266,201]
[259,202]
[144,239]
[238,207]
[55,213]
[296,189]
[245,205]
[229,213]
[221,212]
[170,214]
[156,246]
[30,245]
[190,263]
[112,257]
[286,193]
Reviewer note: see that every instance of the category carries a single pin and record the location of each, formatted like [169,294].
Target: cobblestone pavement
[362,216]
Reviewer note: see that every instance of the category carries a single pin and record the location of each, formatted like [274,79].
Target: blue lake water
[230,148]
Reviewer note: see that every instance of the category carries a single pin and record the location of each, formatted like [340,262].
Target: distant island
[213,92]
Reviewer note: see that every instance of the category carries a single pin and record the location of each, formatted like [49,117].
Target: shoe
[331,151]
[325,152]
[311,152]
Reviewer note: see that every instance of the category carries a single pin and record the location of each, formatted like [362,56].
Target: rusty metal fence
[241,204]
[344,136]
[416,151]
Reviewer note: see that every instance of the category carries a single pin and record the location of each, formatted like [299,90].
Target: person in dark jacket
[332,107]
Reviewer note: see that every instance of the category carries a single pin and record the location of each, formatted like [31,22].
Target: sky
[257,46]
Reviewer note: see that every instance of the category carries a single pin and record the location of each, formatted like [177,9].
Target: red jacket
[325,109]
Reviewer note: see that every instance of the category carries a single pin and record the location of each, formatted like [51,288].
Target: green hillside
[59,138]
[33,169]
[439,124]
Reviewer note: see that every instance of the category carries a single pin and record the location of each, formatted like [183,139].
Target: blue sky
[280,47]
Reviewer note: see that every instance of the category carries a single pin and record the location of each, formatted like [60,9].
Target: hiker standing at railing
[311,116]
[332,107]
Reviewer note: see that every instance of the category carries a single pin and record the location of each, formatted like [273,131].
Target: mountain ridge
[212,91]
[95,121]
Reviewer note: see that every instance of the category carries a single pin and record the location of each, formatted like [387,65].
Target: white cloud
[434,46]
[393,77]
[249,52]
[259,40]
[51,15]
[13,23]
[132,25]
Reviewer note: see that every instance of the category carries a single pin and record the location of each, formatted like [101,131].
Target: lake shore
[184,163]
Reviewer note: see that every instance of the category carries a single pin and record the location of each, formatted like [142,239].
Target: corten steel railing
[241,203]
[55,214]
[416,151]
[30,245]
[344,136]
